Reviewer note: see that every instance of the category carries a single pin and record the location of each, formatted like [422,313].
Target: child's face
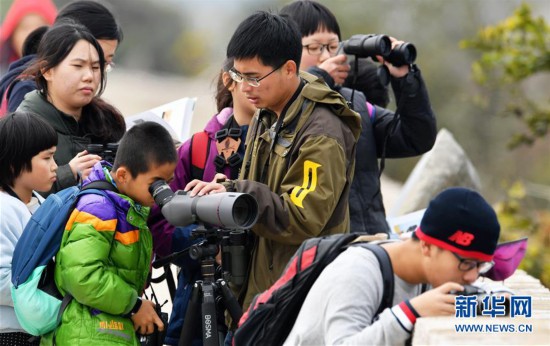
[138,188]
[328,40]
[43,173]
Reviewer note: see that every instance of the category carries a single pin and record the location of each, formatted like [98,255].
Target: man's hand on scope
[396,72]
[200,188]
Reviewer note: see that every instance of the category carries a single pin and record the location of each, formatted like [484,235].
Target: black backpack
[272,314]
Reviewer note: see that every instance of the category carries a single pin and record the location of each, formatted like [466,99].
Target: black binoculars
[107,151]
[370,45]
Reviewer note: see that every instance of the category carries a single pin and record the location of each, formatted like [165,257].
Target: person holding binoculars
[409,131]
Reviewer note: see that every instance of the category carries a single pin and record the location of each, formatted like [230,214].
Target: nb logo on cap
[462,238]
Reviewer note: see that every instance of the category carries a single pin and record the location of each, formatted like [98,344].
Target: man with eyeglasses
[453,245]
[383,134]
[300,149]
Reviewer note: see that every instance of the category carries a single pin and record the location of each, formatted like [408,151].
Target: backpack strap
[64,303]
[387,275]
[200,150]
[100,185]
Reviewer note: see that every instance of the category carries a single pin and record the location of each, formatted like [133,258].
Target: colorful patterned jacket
[103,263]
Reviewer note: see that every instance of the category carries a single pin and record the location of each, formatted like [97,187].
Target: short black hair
[311,16]
[143,146]
[269,37]
[23,135]
[95,16]
[30,45]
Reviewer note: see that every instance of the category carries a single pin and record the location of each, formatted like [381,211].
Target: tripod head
[234,249]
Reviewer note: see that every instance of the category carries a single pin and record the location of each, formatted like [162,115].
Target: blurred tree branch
[511,52]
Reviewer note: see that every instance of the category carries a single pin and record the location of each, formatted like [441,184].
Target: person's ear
[121,175]
[426,248]
[289,69]
[47,74]
[227,81]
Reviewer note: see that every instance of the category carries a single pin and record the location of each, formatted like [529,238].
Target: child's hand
[82,164]
[145,319]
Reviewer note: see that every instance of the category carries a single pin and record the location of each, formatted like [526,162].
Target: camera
[157,337]
[107,151]
[482,294]
[370,45]
[225,210]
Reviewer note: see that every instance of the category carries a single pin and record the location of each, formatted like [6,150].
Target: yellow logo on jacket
[112,324]
[310,183]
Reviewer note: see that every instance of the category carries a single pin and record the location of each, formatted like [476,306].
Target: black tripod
[210,297]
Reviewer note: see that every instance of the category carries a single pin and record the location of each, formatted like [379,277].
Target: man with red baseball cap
[453,245]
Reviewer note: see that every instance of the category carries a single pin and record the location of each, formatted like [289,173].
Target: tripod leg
[170,282]
[191,322]
[230,302]
[210,335]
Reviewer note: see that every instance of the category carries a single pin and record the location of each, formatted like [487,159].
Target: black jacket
[16,90]
[414,134]
[70,139]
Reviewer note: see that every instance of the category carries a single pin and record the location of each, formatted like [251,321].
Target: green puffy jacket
[103,262]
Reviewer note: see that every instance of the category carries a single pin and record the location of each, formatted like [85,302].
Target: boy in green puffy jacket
[105,254]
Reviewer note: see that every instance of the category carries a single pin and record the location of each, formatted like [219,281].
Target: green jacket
[302,186]
[70,140]
[103,262]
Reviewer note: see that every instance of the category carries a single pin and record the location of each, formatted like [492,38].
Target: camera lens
[161,192]
[365,46]
[245,211]
[402,54]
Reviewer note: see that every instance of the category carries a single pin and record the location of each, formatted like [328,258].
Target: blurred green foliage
[513,51]
[519,219]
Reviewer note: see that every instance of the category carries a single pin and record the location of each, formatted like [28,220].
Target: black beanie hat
[461,221]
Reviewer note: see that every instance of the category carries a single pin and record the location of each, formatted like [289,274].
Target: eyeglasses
[317,48]
[252,81]
[468,264]
[109,66]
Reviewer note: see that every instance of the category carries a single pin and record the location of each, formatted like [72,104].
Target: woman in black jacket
[69,72]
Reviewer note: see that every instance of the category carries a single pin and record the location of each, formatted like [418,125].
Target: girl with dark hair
[407,132]
[99,20]
[27,147]
[69,72]
[93,15]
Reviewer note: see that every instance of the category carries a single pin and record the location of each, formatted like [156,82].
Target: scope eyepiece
[161,192]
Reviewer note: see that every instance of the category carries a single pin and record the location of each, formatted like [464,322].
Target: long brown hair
[224,98]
